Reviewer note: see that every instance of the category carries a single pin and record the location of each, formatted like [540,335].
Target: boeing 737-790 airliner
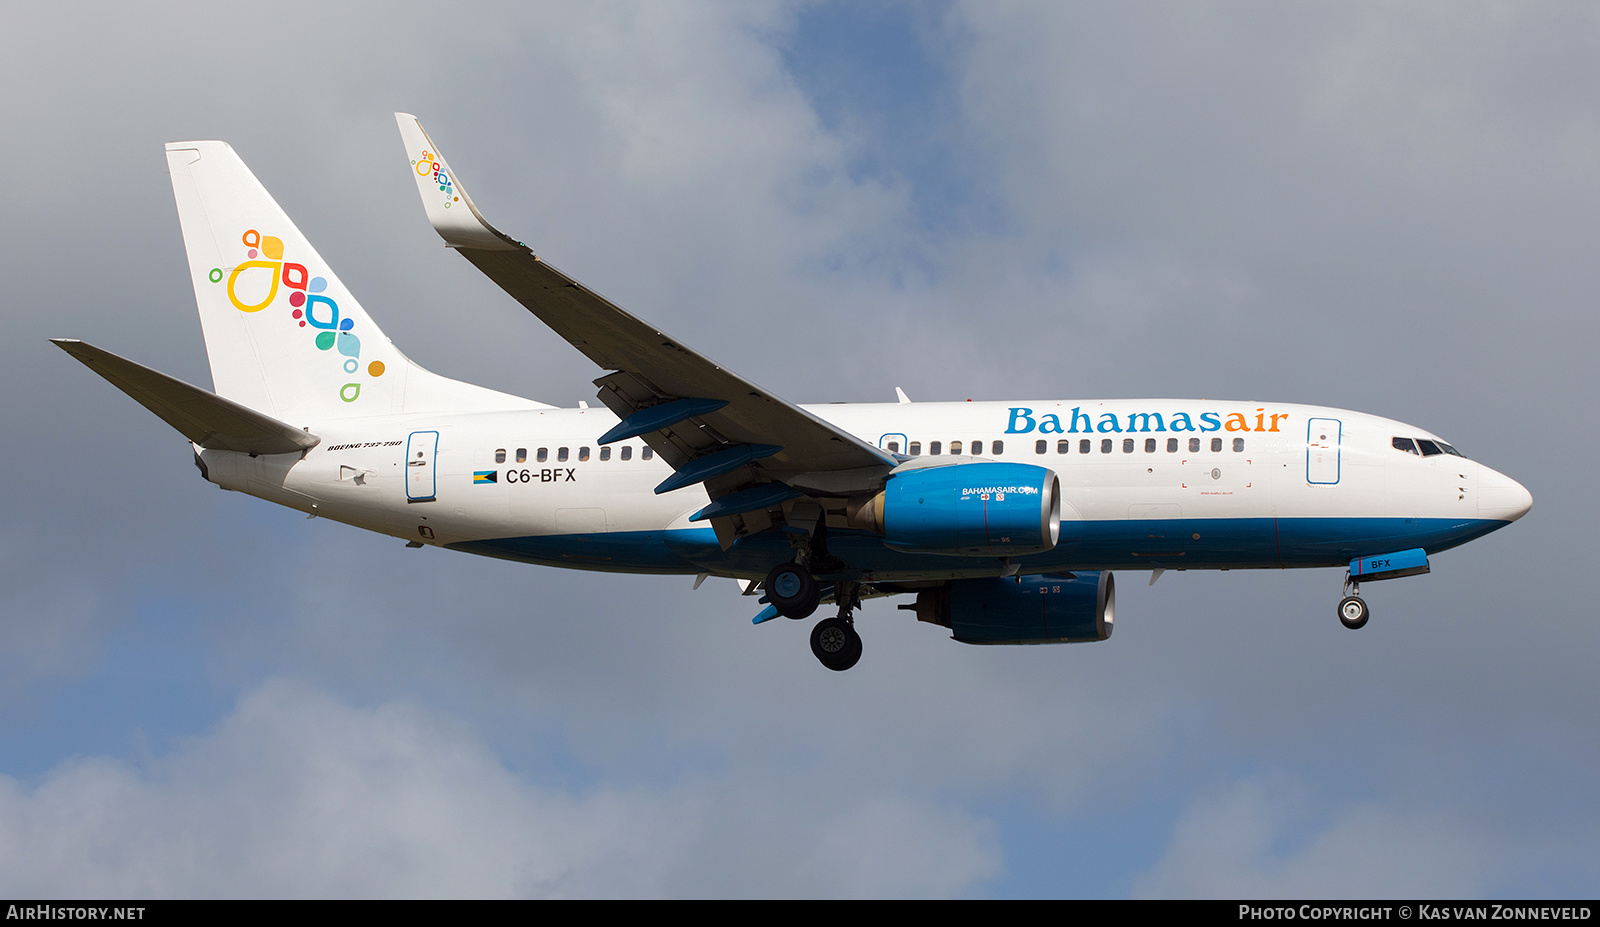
[1003,519]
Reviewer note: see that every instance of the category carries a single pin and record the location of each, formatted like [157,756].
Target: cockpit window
[1424,447]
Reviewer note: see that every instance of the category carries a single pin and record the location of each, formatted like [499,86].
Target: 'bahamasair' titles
[1023,421]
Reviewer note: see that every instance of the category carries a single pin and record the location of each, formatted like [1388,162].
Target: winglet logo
[253,285]
[429,166]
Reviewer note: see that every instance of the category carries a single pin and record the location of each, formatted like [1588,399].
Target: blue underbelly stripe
[1235,543]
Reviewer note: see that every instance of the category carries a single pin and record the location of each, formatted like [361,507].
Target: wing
[713,426]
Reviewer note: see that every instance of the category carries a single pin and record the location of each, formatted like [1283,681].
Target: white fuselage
[1194,483]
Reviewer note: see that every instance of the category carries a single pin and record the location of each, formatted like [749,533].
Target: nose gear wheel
[1353,612]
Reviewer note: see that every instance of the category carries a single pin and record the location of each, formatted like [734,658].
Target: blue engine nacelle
[1067,609]
[983,508]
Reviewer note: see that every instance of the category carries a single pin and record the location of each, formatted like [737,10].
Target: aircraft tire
[792,590]
[836,644]
[1353,612]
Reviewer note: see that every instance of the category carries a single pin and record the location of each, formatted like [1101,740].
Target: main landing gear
[836,643]
[1353,612]
[792,589]
[794,592]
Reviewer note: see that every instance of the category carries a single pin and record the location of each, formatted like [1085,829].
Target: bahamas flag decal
[484,476]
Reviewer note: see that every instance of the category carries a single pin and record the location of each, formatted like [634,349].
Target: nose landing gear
[1353,612]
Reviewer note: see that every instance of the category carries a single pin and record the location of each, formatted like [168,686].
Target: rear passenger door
[422,452]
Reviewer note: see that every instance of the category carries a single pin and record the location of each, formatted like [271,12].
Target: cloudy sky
[1385,207]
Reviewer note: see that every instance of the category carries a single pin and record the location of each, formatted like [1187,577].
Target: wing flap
[201,416]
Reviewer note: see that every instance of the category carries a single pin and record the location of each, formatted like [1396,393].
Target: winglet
[449,207]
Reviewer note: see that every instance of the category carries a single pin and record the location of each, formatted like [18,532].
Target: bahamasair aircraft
[1003,519]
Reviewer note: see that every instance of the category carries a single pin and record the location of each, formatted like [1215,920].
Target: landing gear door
[422,449]
[1322,451]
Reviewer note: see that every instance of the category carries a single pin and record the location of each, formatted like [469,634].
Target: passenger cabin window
[561,454]
[1172,445]
[1238,445]
[894,447]
[605,453]
[997,448]
[646,453]
[1063,447]
[499,455]
[627,452]
[1083,446]
[955,447]
[542,455]
[1105,445]
[1127,445]
[522,455]
[583,453]
[1039,446]
[1149,445]
[933,448]
[914,448]
[1194,445]
[1216,445]
[1405,444]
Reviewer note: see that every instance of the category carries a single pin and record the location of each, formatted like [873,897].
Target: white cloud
[1268,837]
[299,794]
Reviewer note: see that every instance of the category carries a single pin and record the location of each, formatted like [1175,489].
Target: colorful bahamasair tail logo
[253,285]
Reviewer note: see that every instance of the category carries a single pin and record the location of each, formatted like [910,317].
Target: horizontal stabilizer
[200,415]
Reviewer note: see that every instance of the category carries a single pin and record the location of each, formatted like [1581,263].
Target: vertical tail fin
[283,335]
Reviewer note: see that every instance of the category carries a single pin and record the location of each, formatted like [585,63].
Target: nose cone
[1501,498]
